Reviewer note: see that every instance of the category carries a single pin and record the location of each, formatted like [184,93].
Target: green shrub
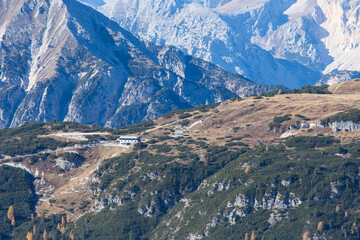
[185,115]
[185,123]
[304,142]
[276,123]
[352,115]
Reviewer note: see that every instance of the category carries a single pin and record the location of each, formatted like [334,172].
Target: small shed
[128,140]
[179,133]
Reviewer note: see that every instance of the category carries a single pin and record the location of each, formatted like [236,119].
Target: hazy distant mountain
[62,60]
[290,42]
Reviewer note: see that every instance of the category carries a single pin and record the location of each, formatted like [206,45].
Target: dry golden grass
[252,116]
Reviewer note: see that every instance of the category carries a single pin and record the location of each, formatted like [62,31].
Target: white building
[128,140]
[179,133]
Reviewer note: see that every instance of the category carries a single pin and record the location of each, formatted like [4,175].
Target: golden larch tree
[320,226]
[72,235]
[247,170]
[13,222]
[246,236]
[68,218]
[305,236]
[34,229]
[337,209]
[45,235]
[253,236]
[11,213]
[63,229]
[29,236]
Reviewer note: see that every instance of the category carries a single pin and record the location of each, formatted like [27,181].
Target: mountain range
[288,42]
[63,61]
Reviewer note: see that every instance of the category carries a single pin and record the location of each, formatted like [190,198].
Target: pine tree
[11,213]
[29,236]
[253,236]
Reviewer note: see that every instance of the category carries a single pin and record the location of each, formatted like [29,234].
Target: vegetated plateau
[257,166]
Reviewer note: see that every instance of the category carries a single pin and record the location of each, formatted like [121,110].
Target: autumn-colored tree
[45,235]
[57,152]
[62,221]
[13,222]
[320,226]
[29,236]
[72,235]
[32,216]
[267,147]
[354,228]
[279,92]
[58,226]
[11,213]
[34,229]
[63,229]
[68,140]
[247,170]
[68,218]
[246,236]
[337,209]
[346,214]
[305,236]
[253,236]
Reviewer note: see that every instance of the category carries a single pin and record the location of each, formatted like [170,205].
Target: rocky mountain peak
[62,60]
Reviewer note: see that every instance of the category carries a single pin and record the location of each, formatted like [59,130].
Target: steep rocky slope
[259,165]
[291,42]
[61,60]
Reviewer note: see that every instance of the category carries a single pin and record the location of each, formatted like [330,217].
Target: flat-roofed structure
[128,140]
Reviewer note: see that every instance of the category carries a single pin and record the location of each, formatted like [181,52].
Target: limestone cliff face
[344,125]
[61,60]
[291,42]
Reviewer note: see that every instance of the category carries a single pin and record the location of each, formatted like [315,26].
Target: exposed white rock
[257,38]
[61,60]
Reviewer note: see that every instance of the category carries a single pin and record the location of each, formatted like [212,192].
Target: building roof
[129,138]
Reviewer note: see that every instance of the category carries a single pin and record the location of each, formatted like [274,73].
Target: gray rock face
[61,60]
[346,126]
[291,42]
